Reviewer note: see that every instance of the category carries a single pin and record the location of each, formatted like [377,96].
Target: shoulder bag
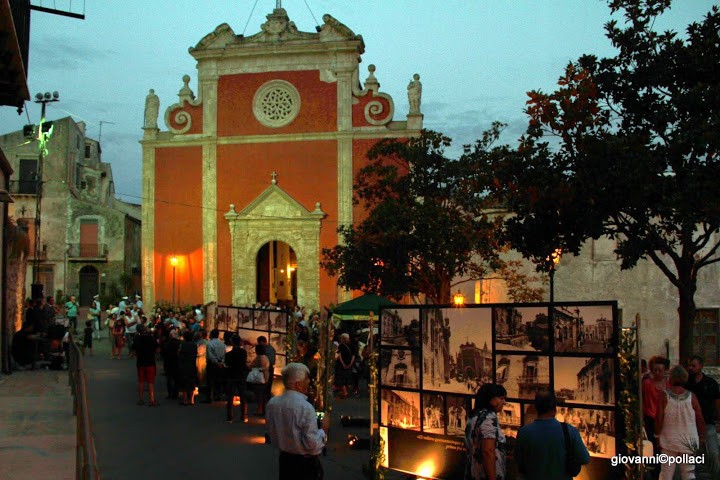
[572,466]
[256,376]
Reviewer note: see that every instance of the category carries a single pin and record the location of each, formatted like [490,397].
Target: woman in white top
[680,425]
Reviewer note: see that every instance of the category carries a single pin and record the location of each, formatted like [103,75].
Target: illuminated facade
[269,149]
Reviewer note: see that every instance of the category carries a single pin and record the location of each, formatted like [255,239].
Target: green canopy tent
[359,308]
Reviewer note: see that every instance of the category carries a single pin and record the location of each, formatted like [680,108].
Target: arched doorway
[89,278]
[276,274]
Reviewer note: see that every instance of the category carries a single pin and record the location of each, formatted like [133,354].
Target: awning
[359,308]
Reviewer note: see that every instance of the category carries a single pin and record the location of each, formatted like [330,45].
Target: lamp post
[43,135]
[173,262]
[459,299]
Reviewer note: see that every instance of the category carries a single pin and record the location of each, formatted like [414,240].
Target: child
[88,338]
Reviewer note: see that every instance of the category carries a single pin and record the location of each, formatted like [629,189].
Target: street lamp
[173,262]
[553,259]
[44,133]
[458,299]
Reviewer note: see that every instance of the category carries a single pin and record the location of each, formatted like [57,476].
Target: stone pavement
[37,426]
[172,442]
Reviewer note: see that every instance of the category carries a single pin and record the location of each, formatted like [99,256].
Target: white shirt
[292,424]
[139,304]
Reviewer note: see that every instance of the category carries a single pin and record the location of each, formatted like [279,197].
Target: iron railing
[23,187]
[86,459]
[87,250]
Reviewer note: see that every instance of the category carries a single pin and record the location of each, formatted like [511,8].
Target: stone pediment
[278,28]
[274,202]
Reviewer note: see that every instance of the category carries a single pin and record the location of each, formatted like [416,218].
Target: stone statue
[152,108]
[414,94]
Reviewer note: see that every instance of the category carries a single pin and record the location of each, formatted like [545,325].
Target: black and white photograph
[221,318]
[523,375]
[277,340]
[458,407]
[278,320]
[589,380]
[245,318]
[399,368]
[457,349]
[521,328]
[583,329]
[400,327]
[596,427]
[261,320]
[232,319]
[400,409]
[510,419]
[433,413]
[248,340]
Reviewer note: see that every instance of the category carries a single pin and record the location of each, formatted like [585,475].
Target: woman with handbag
[258,381]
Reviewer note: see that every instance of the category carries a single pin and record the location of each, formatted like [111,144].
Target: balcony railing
[42,254]
[23,187]
[87,250]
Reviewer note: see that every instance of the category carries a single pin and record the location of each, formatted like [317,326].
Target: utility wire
[311,13]
[248,20]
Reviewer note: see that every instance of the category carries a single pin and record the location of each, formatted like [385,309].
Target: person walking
[145,347]
[708,394]
[680,426]
[71,307]
[541,449]
[293,427]
[236,378]
[484,440]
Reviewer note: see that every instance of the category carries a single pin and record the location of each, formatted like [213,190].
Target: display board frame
[251,323]
[571,347]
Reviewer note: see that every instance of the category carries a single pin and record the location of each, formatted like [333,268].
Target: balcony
[42,254]
[87,252]
[23,187]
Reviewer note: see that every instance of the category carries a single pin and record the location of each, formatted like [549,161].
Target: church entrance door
[276,274]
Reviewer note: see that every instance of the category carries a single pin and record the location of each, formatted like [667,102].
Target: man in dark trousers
[708,394]
[270,353]
[236,371]
[540,449]
[171,363]
[293,427]
[145,346]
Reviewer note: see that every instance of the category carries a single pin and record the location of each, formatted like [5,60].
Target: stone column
[344,158]
[208,93]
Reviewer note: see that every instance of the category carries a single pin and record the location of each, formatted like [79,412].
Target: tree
[424,227]
[626,147]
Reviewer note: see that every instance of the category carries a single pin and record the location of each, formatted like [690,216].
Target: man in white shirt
[123,304]
[131,324]
[293,427]
[138,302]
[215,362]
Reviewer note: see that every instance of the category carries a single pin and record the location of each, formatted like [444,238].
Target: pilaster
[344,157]
[208,92]
[148,224]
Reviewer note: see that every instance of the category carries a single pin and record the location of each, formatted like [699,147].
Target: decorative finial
[371,82]
[274,178]
[232,208]
[186,93]
[278,3]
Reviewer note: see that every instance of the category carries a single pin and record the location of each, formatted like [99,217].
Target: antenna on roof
[100,134]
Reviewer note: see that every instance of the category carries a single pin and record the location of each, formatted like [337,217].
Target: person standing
[145,347]
[343,363]
[171,363]
[680,427]
[187,356]
[541,448]
[236,378]
[270,354]
[260,389]
[88,337]
[71,307]
[484,440]
[652,391]
[215,358]
[95,313]
[293,427]
[708,394]
[131,324]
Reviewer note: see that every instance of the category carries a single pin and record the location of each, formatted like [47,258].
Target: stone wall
[18,249]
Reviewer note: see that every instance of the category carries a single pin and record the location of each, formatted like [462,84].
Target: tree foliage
[627,147]
[425,227]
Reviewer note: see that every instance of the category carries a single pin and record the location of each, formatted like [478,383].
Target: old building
[474,363]
[271,145]
[14,48]
[595,381]
[90,241]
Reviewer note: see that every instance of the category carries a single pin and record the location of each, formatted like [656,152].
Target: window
[89,246]
[705,335]
[87,151]
[27,177]
[46,276]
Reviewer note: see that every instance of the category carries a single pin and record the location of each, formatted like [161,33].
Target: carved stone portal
[275,215]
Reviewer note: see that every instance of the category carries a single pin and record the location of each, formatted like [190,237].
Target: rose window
[276,103]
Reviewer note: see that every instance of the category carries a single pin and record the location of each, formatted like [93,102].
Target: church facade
[255,172]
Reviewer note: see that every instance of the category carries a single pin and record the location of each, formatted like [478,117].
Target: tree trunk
[445,292]
[686,314]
